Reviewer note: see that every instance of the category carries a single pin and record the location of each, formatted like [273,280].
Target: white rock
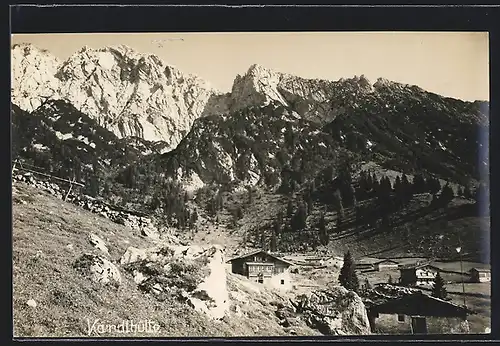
[31,303]
[215,286]
[157,288]
[139,277]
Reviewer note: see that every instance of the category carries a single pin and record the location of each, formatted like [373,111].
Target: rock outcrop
[334,312]
[98,269]
[193,274]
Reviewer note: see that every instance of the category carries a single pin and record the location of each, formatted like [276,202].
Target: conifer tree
[419,183]
[433,185]
[309,202]
[239,213]
[299,219]
[367,284]
[467,192]
[438,288]
[262,240]
[289,209]
[337,202]
[369,182]
[446,195]
[406,189]
[348,277]
[274,242]
[323,234]
[376,185]
[279,218]
[362,183]
[398,187]
[277,226]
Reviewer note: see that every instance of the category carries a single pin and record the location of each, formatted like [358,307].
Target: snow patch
[322,145]
[441,146]
[83,139]
[63,136]
[106,60]
[40,147]
[179,173]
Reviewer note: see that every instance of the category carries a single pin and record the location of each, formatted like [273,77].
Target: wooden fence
[18,165]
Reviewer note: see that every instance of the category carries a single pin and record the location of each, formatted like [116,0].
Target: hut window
[401,318]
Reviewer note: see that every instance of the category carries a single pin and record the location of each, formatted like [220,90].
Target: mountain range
[128,123]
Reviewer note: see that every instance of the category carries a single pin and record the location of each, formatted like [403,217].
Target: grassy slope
[42,270]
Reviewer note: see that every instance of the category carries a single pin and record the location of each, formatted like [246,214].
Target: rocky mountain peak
[130,93]
[32,73]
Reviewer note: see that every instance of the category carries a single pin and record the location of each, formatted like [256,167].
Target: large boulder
[334,312]
[195,274]
[99,269]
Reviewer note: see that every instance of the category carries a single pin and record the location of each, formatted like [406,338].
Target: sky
[453,64]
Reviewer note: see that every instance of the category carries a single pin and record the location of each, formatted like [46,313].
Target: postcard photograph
[250,184]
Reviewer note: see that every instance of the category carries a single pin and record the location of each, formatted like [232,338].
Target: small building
[333,261]
[366,263]
[417,313]
[416,275]
[263,267]
[480,275]
[386,264]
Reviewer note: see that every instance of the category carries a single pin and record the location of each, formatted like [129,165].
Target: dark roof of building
[420,304]
[258,252]
[367,261]
[481,270]
[417,266]
[387,260]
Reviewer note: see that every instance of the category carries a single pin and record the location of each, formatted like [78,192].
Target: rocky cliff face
[129,93]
